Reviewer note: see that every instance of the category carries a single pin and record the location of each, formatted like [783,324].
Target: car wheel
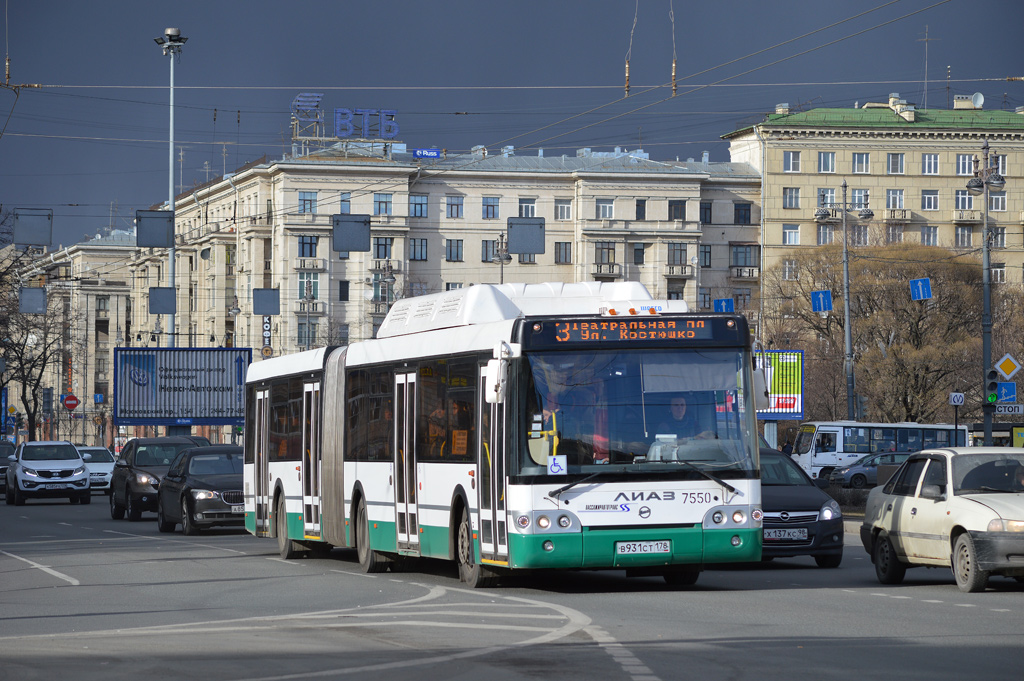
[86,498]
[475,576]
[9,496]
[830,561]
[188,525]
[888,567]
[969,577]
[161,522]
[286,548]
[73,499]
[116,509]
[858,481]
[19,496]
[131,509]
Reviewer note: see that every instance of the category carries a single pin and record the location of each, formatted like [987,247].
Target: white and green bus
[519,426]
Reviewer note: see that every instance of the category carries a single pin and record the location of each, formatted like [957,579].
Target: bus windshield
[636,410]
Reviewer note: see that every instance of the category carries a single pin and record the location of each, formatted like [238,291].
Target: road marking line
[177,541]
[629,663]
[45,568]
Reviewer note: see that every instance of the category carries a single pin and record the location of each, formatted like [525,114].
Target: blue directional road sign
[821,301]
[723,305]
[1006,391]
[920,289]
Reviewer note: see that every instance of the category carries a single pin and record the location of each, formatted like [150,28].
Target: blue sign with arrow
[723,305]
[920,289]
[821,301]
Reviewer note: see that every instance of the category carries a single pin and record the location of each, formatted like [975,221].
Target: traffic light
[861,407]
[991,387]
[19,420]
[47,400]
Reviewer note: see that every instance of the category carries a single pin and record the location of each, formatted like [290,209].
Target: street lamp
[308,300]
[501,256]
[389,281]
[823,214]
[171,42]
[985,177]
[695,261]
[234,311]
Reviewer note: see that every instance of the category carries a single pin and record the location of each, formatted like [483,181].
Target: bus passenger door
[261,469]
[405,461]
[311,460]
[493,530]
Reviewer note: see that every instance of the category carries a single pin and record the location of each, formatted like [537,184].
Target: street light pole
[389,282]
[308,299]
[501,256]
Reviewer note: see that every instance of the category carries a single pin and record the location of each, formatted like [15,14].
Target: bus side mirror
[494,386]
[761,400]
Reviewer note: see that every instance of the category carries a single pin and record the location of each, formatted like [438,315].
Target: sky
[92,142]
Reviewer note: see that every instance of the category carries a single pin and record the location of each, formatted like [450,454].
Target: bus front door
[261,469]
[491,479]
[405,462]
[311,460]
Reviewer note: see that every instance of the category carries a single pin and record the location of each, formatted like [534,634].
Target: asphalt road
[85,597]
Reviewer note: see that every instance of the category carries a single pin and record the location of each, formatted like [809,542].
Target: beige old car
[961,507]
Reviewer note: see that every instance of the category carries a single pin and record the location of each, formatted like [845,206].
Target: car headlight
[1000,525]
[830,510]
[199,494]
[79,470]
[146,479]
[842,471]
[30,471]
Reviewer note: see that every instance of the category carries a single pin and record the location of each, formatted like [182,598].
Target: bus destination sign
[631,329]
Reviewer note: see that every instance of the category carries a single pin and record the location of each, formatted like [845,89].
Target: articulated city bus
[822,446]
[515,427]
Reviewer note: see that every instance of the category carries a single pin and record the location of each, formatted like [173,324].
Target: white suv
[47,469]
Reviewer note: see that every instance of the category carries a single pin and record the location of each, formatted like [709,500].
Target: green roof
[884,117]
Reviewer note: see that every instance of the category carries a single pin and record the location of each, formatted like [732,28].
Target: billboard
[180,386]
[784,371]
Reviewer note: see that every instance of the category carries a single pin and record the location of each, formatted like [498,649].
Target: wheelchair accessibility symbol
[556,465]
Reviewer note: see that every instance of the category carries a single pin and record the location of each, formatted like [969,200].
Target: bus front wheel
[370,560]
[285,546]
[476,576]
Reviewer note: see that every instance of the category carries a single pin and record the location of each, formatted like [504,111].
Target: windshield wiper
[563,488]
[707,475]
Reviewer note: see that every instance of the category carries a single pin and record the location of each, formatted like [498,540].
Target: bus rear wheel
[285,546]
[475,576]
[369,560]
[682,576]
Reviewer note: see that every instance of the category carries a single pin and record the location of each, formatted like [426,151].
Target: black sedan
[137,472]
[202,488]
[799,518]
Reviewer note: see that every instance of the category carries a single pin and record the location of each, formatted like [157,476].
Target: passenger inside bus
[569,405]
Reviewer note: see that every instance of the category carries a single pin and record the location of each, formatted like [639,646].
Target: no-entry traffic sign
[70,401]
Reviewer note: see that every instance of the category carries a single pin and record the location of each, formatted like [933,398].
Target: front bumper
[1000,552]
[824,538]
[99,483]
[144,497]
[48,489]
[213,512]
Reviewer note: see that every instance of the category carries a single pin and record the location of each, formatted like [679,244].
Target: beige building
[909,166]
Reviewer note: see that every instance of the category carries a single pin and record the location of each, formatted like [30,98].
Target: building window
[313,280]
[825,235]
[965,164]
[676,209]
[307,334]
[791,161]
[382,247]
[527,258]
[490,208]
[998,237]
[676,294]
[929,235]
[605,209]
[453,207]
[826,161]
[307,246]
[963,236]
[417,249]
[929,199]
[858,235]
[527,208]
[998,272]
[382,204]
[929,164]
[791,197]
[453,250]
[704,253]
[307,202]
[563,209]
[826,197]
[453,286]
[488,249]
[861,163]
[859,198]
[703,298]
[741,213]
[639,253]
[741,297]
[676,253]
[343,291]
[103,303]
[894,234]
[894,164]
[999,161]
[604,252]
[964,200]
[790,235]
[997,201]
[743,255]
[705,212]
[894,199]
[790,270]
[641,209]
[417,205]
[344,203]
[563,252]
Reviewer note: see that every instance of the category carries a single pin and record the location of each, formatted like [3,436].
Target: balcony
[679,271]
[316,308]
[744,272]
[896,215]
[311,264]
[381,265]
[606,270]
[962,215]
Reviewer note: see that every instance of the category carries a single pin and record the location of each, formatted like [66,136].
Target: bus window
[934,437]
[804,440]
[883,440]
[857,440]
[908,440]
[826,442]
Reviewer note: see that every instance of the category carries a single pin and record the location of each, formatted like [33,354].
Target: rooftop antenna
[925,40]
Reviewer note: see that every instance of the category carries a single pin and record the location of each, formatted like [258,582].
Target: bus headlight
[564,521]
[523,521]
[739,517]
[543,522]
[718,517]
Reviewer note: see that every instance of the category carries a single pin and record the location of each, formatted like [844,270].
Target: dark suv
[137,472]
[6,449]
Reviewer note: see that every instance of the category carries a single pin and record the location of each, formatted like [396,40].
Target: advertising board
[785,379]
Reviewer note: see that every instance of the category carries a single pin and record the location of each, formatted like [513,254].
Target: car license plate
[642,547]
[54,485]
[238,509]
[786,533]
